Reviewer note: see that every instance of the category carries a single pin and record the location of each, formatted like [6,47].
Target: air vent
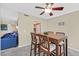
[26,15]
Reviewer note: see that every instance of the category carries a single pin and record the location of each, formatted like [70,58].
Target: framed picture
[60,23]
[3,27]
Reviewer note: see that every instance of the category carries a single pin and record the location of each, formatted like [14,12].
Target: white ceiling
[29,8]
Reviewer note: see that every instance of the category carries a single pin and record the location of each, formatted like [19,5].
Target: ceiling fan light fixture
[48,10]
[49,6]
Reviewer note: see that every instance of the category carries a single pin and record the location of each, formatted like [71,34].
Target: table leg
[57,50]
[66,47]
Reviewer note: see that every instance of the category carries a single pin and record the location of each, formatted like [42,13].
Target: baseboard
[24,45]
[77,50]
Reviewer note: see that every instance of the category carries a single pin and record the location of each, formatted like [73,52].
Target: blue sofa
[9,40]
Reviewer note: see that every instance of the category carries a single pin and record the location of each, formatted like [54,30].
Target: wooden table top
[54,36]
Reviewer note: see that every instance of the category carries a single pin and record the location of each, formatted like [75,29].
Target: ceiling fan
[48,8]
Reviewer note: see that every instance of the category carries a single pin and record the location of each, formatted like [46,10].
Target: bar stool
[34,43]
[46,46]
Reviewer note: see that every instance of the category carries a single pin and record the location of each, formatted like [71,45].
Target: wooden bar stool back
[34,43]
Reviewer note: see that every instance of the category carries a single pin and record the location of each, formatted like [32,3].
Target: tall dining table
[58,39]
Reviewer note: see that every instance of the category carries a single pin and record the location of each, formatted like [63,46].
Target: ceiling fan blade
[42,13]
[50,14]
[49,4]
[39,7]
[52,4]
[58,8]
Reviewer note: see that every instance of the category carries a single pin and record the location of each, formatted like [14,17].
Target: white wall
[71,27]
[8,14]
[25,26]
